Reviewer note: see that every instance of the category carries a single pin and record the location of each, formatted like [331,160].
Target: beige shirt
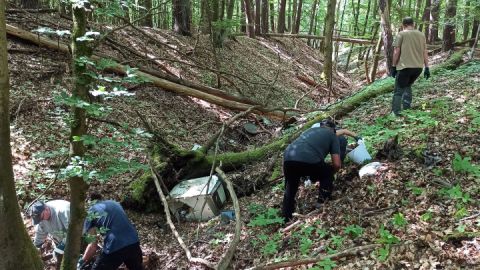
[412,47]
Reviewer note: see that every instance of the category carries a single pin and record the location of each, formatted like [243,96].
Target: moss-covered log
[178,164]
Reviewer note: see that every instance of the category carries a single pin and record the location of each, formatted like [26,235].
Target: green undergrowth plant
[307,236]
[465,165]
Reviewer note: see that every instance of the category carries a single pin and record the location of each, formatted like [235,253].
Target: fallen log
[31,10]
[342,39]
[213,95]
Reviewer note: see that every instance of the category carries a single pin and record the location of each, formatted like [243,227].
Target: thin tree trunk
[249,17]
[182,14]
[418,7]
[449,29]
[434,14]
[387,32]
[265,17]
[337,44]
[290,14]
[272,16]
[16,247]
[328,66]
[257,17]
[466,20]
[148,21]
[312,20]
[281,17]
[298,18]
[426,18]
[243,18]
[376,58]
[78,187]
[476,21]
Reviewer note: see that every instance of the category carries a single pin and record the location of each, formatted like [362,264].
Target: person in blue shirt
[305,157]
[121,243]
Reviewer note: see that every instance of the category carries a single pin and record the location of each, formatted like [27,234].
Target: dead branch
[378,211]
[172,226]
[40,10]
[225,260]
[342,39]
[475,42]
[291,263]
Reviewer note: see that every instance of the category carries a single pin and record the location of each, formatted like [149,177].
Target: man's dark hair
[328,123]
[407,21]
[95,196]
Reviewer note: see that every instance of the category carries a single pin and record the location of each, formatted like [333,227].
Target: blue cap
[36,212]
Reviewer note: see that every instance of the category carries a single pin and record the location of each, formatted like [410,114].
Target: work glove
[393,73]
[358,138]
[426,73]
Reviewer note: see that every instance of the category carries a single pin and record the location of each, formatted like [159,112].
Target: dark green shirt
[313,146]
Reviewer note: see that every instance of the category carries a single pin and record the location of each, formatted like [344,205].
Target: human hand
[393,73]
[80,263]
[426,73]
[358,138]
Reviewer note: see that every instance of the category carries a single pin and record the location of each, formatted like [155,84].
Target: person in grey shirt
[51,219]
[305,157]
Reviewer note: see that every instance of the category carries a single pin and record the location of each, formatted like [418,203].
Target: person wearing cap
[306,157]
[410,55]
[51,219]
[121,243]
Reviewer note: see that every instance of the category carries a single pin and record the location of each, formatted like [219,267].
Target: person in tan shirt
[409,57]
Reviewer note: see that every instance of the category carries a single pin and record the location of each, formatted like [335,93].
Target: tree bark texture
[16,247]
[272,16]
[182,17]
[78,128]
[298,18]
[243,19]
[425,23]
[265,18]
[387,32]
[466,20]
[434,15]
[312,20]
[249,18]
[148,21]
[330,25]
[281,17]
[258,15]
[449,29]
[476,21]
[30,3]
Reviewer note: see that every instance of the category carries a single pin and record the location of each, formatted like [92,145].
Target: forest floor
[422,209]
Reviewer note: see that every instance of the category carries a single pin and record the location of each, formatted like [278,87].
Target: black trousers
[130,255]
[294,170]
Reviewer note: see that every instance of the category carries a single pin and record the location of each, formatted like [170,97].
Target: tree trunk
[387,32]
[249,17]
[182,14]
[434,14]
[16,246]
[337,45]
[258,16]
[330,25]
[148,21]
[290,13]
[243,18]
[30,4]
[476,22]
[78,187]
[264,19]
[272,16]
[449,29]
[425,18]
[281,17]
[466,20]
[376,58]
[296,26]
[312,20]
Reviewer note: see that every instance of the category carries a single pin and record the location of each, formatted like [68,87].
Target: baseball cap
[36,212]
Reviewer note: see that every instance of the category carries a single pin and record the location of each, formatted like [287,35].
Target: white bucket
[360,153]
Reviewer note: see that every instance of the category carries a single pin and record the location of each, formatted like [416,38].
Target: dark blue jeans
[130,255]
[402,94]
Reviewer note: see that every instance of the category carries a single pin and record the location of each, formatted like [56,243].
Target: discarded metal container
[190,200]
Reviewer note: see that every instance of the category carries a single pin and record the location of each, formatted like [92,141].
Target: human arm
[336,162]
[396,56]
[347,132]
[92,247]
[40,236]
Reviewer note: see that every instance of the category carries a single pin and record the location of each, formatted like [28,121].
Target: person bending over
[306,157]
[121,243]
